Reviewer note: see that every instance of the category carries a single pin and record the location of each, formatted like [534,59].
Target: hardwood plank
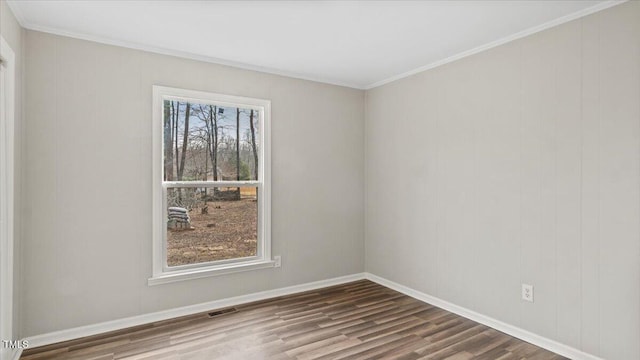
[359,320]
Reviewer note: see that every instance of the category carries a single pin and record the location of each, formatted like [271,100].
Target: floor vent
[222,312]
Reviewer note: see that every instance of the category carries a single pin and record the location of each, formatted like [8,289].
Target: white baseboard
[514,331]
[88,330]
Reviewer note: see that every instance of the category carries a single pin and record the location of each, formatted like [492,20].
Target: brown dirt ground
[228,231]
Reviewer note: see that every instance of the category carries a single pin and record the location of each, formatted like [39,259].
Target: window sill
[197,273]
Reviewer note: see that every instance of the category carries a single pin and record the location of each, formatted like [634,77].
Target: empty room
[437,180]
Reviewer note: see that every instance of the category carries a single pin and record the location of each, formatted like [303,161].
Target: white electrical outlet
[278,261]
[527,292]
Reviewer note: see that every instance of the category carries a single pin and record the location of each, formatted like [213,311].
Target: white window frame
[162,273]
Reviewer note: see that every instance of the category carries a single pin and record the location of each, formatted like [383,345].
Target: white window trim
[161,272]
[7,112]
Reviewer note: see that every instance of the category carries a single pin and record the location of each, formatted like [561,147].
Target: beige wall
[518,165]
[13,34]
[87,187]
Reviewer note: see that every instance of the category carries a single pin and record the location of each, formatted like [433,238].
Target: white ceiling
[359,44]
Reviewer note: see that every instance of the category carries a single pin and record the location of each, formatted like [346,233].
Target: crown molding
[510,38]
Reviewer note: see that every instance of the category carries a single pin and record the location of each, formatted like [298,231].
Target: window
[211,190]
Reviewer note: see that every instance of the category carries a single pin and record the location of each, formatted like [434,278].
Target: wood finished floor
[359,320]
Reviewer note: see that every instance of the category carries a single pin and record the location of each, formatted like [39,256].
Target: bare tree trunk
[185,140]
[168,140]
[207,122]
[206,157]
[238,146]
[175,121]
[206,161]
[214,154]
[173,136]
[206,118]
[253,146]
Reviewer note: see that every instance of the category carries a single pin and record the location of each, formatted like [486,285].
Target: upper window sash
[235,127]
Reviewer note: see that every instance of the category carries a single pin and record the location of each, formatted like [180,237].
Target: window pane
[209,142]
[211,224]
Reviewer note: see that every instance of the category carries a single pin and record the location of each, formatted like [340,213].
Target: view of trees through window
[209,143]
